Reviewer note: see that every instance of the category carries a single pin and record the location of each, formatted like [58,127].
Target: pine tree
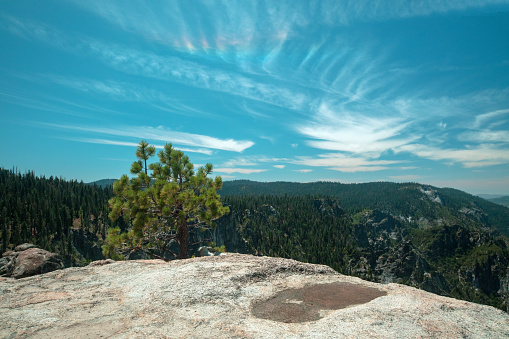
[143,152]
[163,206]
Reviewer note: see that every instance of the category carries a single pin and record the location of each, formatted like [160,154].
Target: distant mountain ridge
[504,201]
[490,196]
[103,182]
[419,205]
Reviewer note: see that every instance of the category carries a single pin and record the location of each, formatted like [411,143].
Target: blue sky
[348,91]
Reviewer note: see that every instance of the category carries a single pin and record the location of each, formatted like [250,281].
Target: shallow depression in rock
[304,304]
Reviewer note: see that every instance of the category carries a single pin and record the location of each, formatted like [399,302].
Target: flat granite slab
[231,296]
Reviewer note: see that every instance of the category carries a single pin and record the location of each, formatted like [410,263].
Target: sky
[344,91]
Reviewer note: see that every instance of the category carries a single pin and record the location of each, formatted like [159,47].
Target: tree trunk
[183,234]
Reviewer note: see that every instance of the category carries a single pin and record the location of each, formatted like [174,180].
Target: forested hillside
[464,262]
[439,240]
[68,217]
[412,203]
[304,228]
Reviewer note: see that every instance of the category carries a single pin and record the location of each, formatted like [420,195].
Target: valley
[440,240]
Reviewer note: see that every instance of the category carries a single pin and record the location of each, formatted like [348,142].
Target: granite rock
[231,296]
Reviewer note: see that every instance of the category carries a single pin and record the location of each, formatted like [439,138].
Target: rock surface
[230,296]
[28,260]
[23,247]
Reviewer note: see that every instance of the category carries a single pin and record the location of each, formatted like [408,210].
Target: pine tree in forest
[41,211]
[144,152]
[164,205]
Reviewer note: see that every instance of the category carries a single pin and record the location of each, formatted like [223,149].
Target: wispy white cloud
[364,10]
[255,113]
[344,163]
[342,94]
[134,144]
[88,107]
[162,134]
[338,129]
[427,106]
[114,89]
[233,23]
[485,136]
[168,68]
[332,161]
[479,156]
[31,30]
[240,162]
[253,35]
[275,90]
[122,91]
[239,170]
[252,160]
[198,75]
[303,170]
[491,127]
[483,119]
[39,105]
[354,132]
[51,102]
[271,139]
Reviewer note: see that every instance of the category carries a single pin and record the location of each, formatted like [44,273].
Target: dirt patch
[307,303]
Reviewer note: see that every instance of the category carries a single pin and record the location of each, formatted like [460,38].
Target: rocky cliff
[458,261]
[231,296]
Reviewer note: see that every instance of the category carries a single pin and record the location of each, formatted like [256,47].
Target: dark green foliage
[48,211]
[164,206]
[472,261]
[464,262]
[304,228]
[419,205]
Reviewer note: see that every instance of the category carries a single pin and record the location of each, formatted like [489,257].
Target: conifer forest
[441,240]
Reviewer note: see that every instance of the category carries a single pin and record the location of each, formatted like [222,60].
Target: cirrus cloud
[162,133]
[239,170]
[344,163]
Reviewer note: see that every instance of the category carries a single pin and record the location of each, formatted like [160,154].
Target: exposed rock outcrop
[231,296]
[453,260]
[27,260]
[227,233]
[7,263]
[87,244]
